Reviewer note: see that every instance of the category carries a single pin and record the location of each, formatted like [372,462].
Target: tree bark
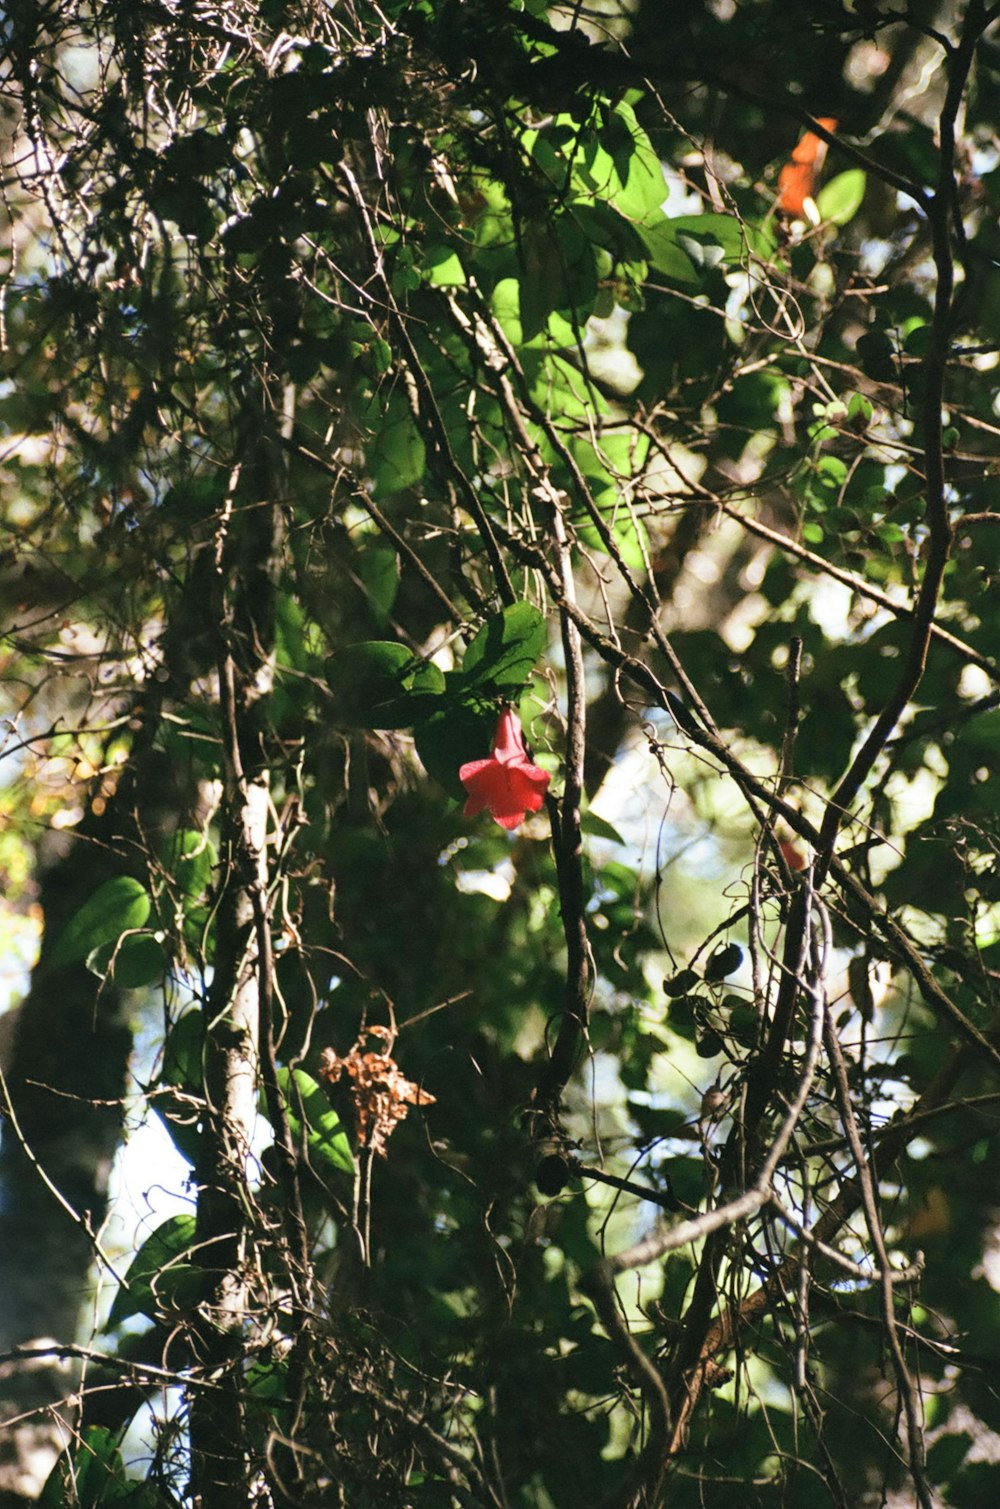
[221,1467]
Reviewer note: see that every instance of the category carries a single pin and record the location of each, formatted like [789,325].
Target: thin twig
[869,1202]
[939,212]
[568,844]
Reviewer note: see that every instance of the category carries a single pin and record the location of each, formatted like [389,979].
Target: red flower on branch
[797,179]
[507,784]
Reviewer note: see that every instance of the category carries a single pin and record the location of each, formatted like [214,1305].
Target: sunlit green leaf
[839,200]
[444,268]
[503,654]
[307,1105]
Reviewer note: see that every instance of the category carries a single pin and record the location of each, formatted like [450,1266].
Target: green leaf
[919,338]
[877,354]
[732,235]
[326,1141]
[666,255]
[189,858]
[182,1070]
[379,571]
[129,962]
[451,738]
[678,1271]
[503,654]
[377,664]
[443,268]
[605,226]
[158,1277]
[382,684]
[859,411]
[622,166]
[268,1403]
[708,1044]
[551,258]
[396,453]
[93,1477]
[118,906]
[974,1485]
[598,828]
[182,1062]
[704,250]
[724,961]
[628,534]
[947,1455]
[506,306]
[688,246]
[839,200]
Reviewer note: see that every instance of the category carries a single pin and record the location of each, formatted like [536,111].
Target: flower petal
[509,820]
[507,784]
[478,781]
[508,741]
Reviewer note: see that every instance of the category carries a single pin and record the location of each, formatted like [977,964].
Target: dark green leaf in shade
[182,1071]
[877,354]
[552,1174]
[93,1477]
[269,1405]
[678,1271]
[160,1275]
[130,962]
[744,1023]
[682,1013]
[724,961]
[708,1044]
[947,1455]
[976,1484]
[919,338]
[119,905]
[381,684]
[396,451]
[666,255]
[189,859]
[450,739]
[379,573]
[602,224]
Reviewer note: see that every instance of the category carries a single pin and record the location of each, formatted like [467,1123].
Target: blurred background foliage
[434,336]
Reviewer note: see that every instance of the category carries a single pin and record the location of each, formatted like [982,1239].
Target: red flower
[507,784]
[793,857]
[797,179]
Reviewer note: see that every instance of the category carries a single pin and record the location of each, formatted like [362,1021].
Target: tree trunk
[221,1468]
[62,1124]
